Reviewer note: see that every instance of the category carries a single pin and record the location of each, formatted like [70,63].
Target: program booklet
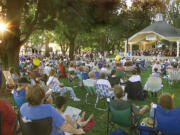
[72,112]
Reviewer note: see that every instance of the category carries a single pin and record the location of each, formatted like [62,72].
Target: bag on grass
[145,130]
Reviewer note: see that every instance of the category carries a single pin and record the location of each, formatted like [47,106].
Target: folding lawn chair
[154,84]
[90,88]
[168,121]
[103,92]
[122,118]
[36,127]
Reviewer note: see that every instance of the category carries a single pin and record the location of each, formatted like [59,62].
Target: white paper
[72,112]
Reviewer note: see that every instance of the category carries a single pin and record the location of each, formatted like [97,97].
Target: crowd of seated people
[103,73]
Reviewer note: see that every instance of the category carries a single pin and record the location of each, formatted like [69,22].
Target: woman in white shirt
[104,87]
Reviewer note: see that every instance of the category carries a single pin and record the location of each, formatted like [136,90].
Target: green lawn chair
[90,88]
[121,118]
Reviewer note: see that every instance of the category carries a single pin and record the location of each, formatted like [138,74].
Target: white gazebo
[157,31]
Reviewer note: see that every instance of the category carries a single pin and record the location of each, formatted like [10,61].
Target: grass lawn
[101,116]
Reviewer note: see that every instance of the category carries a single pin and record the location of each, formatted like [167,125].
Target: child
[60,101]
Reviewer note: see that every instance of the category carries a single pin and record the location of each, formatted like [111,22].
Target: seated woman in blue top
[34,109]
[19,93]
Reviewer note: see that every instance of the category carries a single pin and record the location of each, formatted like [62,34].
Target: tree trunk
[10,47]
[64,48]
[71,49]
[47,50]
[10,58]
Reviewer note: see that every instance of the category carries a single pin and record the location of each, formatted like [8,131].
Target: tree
[23,17]
[172,14]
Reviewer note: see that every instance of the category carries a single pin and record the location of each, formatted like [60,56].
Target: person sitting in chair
[56,87]
[120,104]
[134,87]
[165,101]
[174,73]
[155,73]
[103,86]
[34,109]
[60,101]
[19,93]
[92,78]
[114,79]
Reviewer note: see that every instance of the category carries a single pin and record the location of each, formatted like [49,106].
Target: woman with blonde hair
[165,101]
[34,109]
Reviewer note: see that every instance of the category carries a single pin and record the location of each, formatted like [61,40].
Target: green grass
[101,116]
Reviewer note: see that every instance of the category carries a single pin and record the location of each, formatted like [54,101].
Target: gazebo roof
[161,29]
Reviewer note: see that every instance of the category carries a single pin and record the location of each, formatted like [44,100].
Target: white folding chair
[154,84]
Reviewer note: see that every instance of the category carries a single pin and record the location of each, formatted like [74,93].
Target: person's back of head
[166,101]
[155,70]
[102,75]
[60,102]
[35,94]
[23,82]
[113,72]
[134,72]
[118,92]
[92,75]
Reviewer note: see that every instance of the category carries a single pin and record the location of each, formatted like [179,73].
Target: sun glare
[3,26]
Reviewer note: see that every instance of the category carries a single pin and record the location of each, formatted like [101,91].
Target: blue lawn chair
[97,75]
[168,121]
[85,75]
[142,62]
[19,97]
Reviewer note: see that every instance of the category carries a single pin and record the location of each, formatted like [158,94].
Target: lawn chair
[90,88]
[154,84]
[85,75]
[19,97]
[97,75]
[36,127]
[168,121]
[79,75]
[173,77]
[102,93]
[121,118]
